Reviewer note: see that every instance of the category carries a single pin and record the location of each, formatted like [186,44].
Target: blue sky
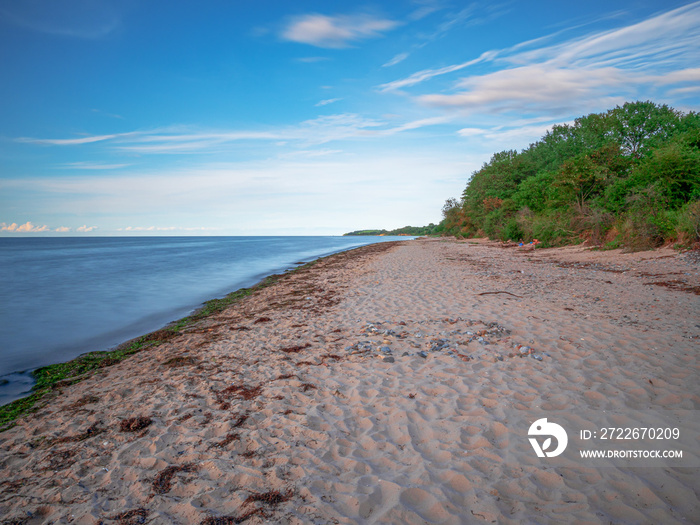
[302,118]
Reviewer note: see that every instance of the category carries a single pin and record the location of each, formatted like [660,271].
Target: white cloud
[426,74]
[398,58]
[77,141]
[585,73]
[328,101]
[335,31]
[91,166]
[312,60]
[62,229]
[538,87]
[311,153]
[470,132]
[323,129]
[415,124]
[23,228]
[85,228]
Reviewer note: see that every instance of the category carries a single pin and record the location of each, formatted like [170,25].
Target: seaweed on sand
[134,424]
[130,517]
[163,481]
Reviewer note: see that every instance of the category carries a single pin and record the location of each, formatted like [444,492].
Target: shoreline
[47,326]
[59,373]
[311,399]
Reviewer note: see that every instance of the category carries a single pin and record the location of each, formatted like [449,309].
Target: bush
[688,223]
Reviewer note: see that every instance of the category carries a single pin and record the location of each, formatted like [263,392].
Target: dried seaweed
[262,320]
[162,483]
[676,284]
[60,459]
[108,361]
[130,517]
[228,439]
[134,424]
[305,387]
[240,420]
[295,349]
[230,520]
[184,360]
[85,400]
[242,391]
[272,497]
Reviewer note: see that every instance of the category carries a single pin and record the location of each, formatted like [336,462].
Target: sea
[64,296]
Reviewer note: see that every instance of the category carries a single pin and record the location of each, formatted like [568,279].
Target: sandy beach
[382,385]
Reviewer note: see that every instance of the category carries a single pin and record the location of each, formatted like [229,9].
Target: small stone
[385,349]
[536,356]
[524,349]
[405,354]
[423,354]
[388,359]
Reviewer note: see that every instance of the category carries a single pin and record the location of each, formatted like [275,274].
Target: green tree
[640,126]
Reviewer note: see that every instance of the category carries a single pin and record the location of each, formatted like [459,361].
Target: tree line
[629,177]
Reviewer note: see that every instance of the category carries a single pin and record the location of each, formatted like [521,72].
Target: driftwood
[485,293]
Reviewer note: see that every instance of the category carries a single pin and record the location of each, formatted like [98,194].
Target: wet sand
[310,401]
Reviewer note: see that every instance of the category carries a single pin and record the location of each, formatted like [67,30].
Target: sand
[282,409]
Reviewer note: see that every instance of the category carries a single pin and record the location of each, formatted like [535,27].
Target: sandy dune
[309,402]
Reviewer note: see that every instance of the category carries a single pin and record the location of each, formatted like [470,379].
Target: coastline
[279,407]
[154,313]
[45,379]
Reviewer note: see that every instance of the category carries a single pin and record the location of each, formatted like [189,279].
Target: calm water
[61,297]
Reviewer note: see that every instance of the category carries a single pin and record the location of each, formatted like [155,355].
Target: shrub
[688,223]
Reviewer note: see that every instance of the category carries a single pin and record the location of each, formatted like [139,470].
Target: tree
[638,126]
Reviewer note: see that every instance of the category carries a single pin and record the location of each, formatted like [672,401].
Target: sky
[123,117]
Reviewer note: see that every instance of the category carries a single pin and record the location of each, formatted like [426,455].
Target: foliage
[633,170]
[430,229]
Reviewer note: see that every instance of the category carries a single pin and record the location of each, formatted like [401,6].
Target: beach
[383,385]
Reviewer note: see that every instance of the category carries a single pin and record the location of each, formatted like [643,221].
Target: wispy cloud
[414,124]
[110,115]
[594,70]
[74,141]
[427,74]
[537,87]
[312,60]
[85,228]
[335,31]
[320,130]
[91,166]
[311,153]
[328,101]
[397,59]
